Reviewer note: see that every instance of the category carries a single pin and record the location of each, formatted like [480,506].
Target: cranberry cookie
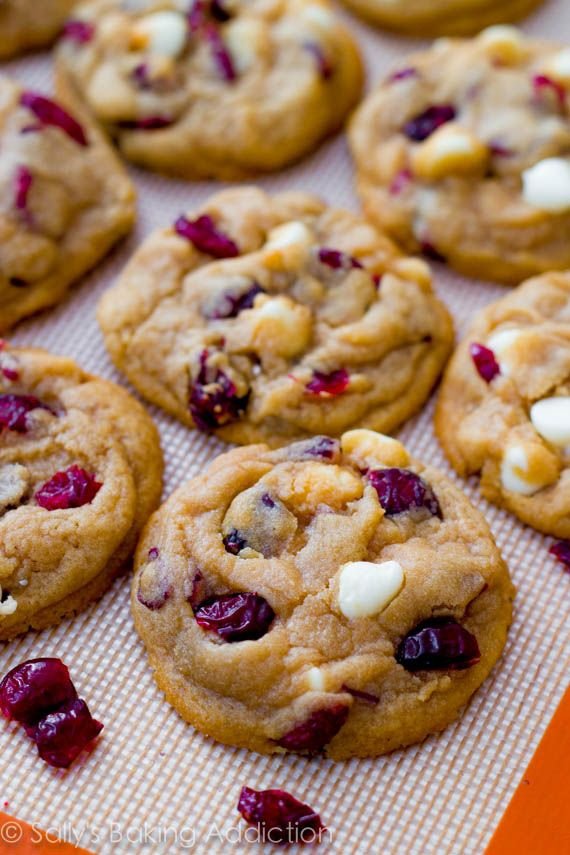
[329,596]
[80,471]
[65,200]
[212,88]
[504,408]
[464,152]
[440,17]
[268,318]
[27,24]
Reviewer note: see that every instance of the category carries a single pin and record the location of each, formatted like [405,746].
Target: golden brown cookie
[66,200]
[464,153]
[269,318]
[213,88]
[504,408]
[330,596]
[29,24]
[440,17]
[80,471]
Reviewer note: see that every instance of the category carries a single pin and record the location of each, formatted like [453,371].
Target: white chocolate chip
[246,40]
[288,246]
[280,326]
[366,589]
[551,419]
[558,68]
[162,33]
[451,150]
[503,43]
[523,474]
[500,343]
[320,15]
[372,449]
[546,185]
[316,679]
[8,606]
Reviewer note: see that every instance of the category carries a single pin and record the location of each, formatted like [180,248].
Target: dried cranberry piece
[400,490]
[50,114]
[62,735]
[230,305]
[317,731]
[498,149]
[422,126]
[214,401]
[324,448]
[324,64]
[34,688]
[77,31]
[234,542]
[403,74]
[543,84]
[400,181]
[236,617]
[338,260]
[15,408]
[22,185]
[367,697]
[438,644]
[485,361]
[72,488]
[432,252]
[561,551]
[196,589]
[221,54]
[206,237]
[279,816]
[334,383]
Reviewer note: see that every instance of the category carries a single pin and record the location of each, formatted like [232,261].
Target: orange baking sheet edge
[19,838]
[536,820]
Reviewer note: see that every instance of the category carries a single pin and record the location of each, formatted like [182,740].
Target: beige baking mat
[152,778]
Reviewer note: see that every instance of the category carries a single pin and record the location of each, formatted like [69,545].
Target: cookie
[212,88]
[80,472]
[463,152]
[503,412]
[65,201]
[23,28]
[266,318]
[440,17]
[331,596]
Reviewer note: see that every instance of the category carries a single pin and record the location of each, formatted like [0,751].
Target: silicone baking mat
[153,783]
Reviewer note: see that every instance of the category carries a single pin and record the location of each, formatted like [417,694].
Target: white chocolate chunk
[451,150]
[500,343]
[504,43]
[316,680]
[246,40]
[558,68]
[162,33]
[546,185]
[280,326]
[320,15]
[551,419]
[522,475]
[366,589]
[8,606]
[373,449]
[288,246]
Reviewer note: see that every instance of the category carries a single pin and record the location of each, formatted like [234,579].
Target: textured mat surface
[151,774]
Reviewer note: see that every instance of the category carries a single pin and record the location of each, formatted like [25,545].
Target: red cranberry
[149,123]
[72,488]
[196,589]
[317,731]
[201,10]
[438,644]
[236,617]
[485,362]
[214,401]
[50,114]
[279,817]
[325,66]
[77,31]
[22,185]
[367,697]
[543,84]
[234,542]
[498,149]
[400,182]
[421,127]
[400,490]
[36,687]
[403,74]
[14,411]
[561,551]
[231,305]
[62,735]
[221,54]
[338,260]
[323,447]
[206,237]
[334,383]
[432,252]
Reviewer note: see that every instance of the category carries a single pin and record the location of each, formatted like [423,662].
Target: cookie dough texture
[174,323]
[63,203]
[514,431]
[322,515]
[464,152]
[213,90]
[440,17]
[53,563]
[27,24]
